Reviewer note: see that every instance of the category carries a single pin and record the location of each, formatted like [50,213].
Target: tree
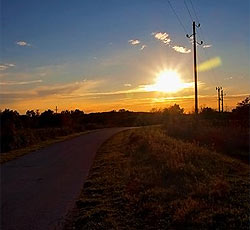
[30,113]
[10,123]
[242,110]
[208,112]
[243,106]
[173,110]
[47,119]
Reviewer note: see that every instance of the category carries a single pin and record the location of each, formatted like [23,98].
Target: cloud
[23,43]
[61,89]
[162,36]
[181,49]
[207,46]
[57,91]
[6,66]
[134,42]
[20,82]
[10,64]
[3,67]
[143,47]
[127,85]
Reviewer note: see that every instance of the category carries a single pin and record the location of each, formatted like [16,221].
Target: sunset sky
[100,55]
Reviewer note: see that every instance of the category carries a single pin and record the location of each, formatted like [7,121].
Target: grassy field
[144,179]
[224,136]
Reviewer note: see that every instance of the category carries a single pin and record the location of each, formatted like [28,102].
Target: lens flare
[210,64]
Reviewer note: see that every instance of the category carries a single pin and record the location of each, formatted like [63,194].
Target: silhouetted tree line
[22,130]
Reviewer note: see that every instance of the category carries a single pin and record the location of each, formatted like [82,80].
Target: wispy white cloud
[134,42]
[207,46]
[127,85]
[20,82]
[6,66]
[3,67]
[181,49]
[10,64]
[22,43]
[143,47]
[162,36]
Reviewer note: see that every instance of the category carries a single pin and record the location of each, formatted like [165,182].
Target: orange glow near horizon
[132,104]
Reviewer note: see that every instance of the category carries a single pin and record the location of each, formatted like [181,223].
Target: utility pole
[195,65]
[222,98]
[56,109]
[219,94]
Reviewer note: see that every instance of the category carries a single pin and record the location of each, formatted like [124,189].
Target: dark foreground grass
[143,179]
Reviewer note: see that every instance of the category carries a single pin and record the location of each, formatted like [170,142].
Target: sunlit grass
[143,179]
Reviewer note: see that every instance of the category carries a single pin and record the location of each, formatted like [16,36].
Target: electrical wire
[188,11]
[201,37]
[196,17]
[199,33]
[178,18]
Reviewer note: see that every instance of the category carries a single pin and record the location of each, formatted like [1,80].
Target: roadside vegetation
[226,132]
[190,173]
[144,179]
[21,131]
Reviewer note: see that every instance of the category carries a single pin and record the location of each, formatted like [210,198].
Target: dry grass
[223,136]
[143,179]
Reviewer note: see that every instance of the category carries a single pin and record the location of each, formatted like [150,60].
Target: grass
[225,137]
[144,179]
[14,154]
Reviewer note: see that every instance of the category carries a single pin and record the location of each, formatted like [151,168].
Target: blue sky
[78,54]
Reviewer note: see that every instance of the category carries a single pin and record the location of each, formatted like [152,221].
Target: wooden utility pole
[222,98]
[195,66]
[56,109]
[219,99]
[195,72]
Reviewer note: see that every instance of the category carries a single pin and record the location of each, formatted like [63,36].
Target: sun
[167,81]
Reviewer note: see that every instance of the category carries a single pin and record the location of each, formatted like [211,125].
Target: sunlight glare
[167,81]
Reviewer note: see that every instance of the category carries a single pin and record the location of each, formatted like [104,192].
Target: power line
[200,34]
[188,11]
[196,17]
[177,17]
[192,19]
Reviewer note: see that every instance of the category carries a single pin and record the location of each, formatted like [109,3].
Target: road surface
[38,189]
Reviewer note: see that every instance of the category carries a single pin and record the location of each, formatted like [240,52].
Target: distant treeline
[19,131]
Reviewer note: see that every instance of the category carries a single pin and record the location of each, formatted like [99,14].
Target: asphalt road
[38,189]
